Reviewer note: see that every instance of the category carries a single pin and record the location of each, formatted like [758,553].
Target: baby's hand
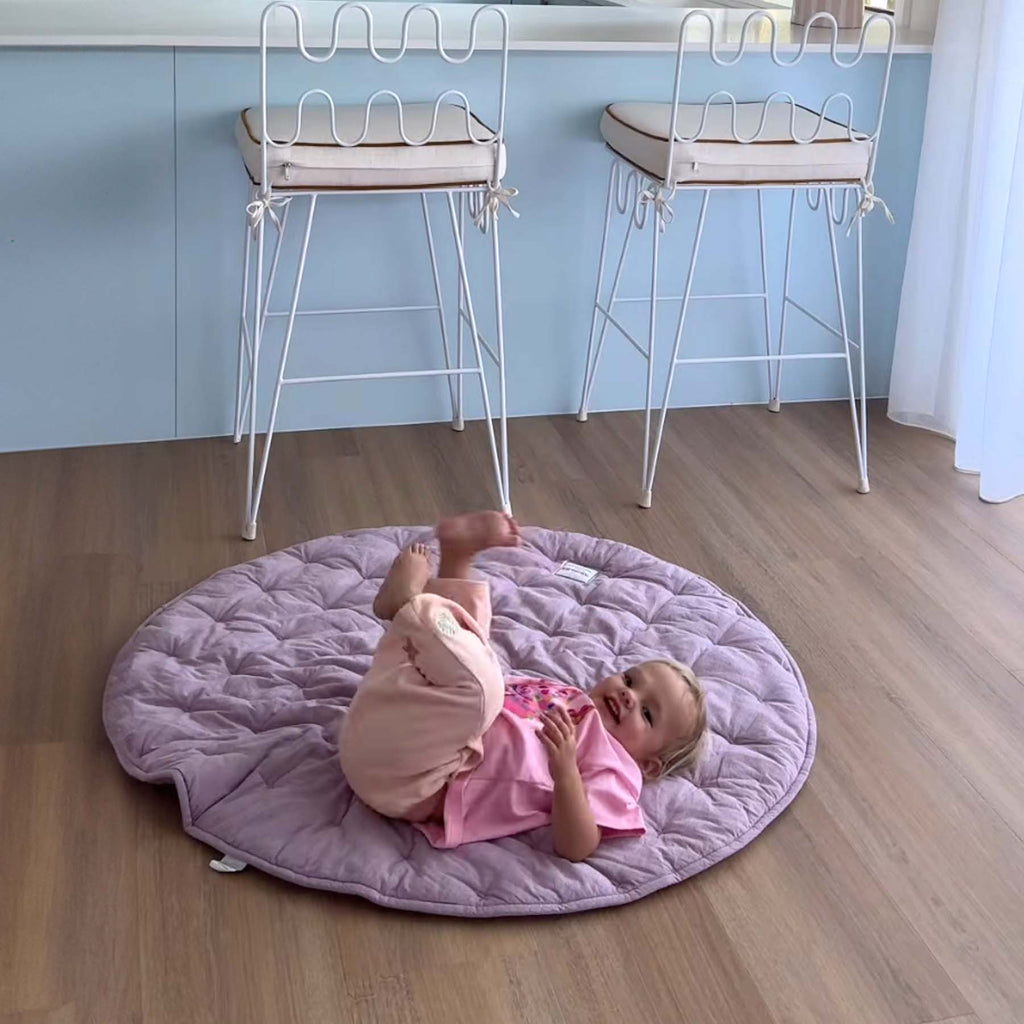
[559,738]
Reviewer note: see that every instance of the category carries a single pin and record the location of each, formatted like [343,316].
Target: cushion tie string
[866,205]
[495,198]
[265,205]
[652,195]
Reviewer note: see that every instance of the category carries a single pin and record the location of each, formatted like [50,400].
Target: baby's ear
[652,768]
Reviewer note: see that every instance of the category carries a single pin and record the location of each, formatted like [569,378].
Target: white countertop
[638,25]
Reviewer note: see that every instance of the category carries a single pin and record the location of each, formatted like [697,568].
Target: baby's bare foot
[464,536]
[406,578]
[476,531]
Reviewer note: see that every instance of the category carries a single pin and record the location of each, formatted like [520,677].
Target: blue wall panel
[123,223]
[369,251]
[86,247]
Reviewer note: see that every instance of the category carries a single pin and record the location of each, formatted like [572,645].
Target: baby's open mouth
[613,708]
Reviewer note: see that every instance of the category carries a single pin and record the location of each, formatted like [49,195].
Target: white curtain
[958,367]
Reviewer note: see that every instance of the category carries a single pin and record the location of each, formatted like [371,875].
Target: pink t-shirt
[510,790]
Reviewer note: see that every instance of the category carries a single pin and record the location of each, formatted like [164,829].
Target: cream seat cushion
[639,133]
[383,160]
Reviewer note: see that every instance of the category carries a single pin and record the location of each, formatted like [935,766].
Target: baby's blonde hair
[685,754]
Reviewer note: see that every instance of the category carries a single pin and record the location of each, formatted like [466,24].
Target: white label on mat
[578,573]
[228,865]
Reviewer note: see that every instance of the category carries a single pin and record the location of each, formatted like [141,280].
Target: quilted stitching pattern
[233,691]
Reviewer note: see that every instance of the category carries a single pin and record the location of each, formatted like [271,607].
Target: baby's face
[646,708]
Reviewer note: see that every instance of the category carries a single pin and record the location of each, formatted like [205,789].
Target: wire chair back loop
[838,109]
[476,131]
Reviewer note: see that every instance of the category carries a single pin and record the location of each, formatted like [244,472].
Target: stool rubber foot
[249,532]
[775,405]
[582,416]
[863,487]
[458,424]
[645,499]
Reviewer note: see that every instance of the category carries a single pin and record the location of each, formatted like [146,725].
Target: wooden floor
[892,891]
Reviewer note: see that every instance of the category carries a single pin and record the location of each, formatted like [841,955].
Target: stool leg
[698,235]
[588,383]
[300,270]
[475,337]
[242,404]
[244,338]
[499,330]
[865,485]
[774,392]
[249,529]
[645,481]
[862,485]
[458,423]
[585,393]
[765,288]
[440,305]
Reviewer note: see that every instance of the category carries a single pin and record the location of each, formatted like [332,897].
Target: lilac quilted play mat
[232,692]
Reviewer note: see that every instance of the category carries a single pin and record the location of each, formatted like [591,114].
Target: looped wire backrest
[837,103]
[454,57]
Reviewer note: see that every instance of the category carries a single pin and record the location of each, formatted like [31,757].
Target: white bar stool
[322,151]
[663,149]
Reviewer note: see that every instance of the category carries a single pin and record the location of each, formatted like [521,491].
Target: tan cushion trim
[732,142]
[307,189]
[378,145]
[699,183]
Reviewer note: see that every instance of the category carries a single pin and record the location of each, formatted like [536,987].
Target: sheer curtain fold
[958,365]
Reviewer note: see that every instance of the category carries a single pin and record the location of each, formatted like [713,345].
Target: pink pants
[434,688]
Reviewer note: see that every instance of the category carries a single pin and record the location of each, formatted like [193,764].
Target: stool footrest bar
[385,375]
[359,309]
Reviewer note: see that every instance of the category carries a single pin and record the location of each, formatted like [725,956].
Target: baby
[436,736]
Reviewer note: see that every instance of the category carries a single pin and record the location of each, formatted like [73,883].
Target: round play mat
[232,692]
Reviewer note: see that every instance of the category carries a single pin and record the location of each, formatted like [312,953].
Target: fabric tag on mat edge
[575,572]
